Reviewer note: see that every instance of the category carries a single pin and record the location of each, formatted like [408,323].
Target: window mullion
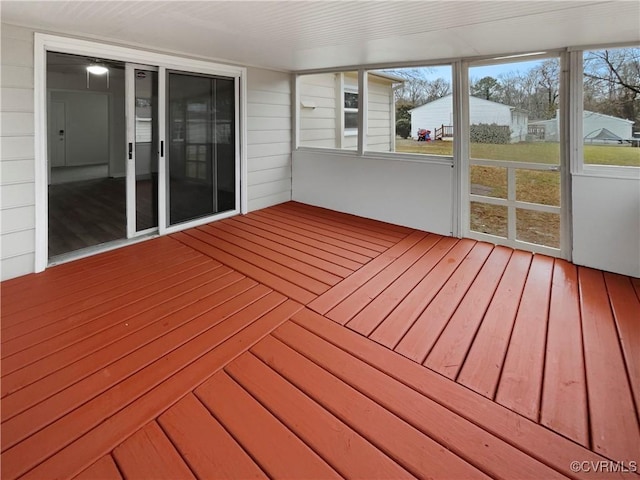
[362,110]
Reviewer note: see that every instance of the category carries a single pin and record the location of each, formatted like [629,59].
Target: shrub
[484,133]
[403,127]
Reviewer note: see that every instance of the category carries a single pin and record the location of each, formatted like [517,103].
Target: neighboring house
[435,114]
[329,111]
[592,128]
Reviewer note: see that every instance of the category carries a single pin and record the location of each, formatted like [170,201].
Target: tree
[487,88]
[612,83]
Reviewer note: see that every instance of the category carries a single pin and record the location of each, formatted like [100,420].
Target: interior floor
[86,213]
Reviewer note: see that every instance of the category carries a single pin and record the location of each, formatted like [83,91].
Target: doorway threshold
[96,249]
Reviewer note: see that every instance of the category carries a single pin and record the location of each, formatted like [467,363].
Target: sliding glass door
[201,140]
[182,149]
[142,149]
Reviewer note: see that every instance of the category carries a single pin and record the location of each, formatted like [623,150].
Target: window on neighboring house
[350,106]
[611,107]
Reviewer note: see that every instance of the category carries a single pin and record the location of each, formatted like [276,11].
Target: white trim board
[44,43]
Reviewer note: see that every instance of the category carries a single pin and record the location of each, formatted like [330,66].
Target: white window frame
[349,132]
[44,43]
[578,167]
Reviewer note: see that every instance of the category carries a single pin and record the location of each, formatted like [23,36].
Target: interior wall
[417,194]
[76,80]
[606,223]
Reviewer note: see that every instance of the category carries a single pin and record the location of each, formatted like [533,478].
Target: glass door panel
[143,140]
[146,149]
[201,166]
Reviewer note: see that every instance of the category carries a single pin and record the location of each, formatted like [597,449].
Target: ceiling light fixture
[97,68]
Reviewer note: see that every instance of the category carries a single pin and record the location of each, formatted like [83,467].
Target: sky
[482,71]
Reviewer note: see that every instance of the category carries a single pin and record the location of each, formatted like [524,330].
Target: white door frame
[45,42]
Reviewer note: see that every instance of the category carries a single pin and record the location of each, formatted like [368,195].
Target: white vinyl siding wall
[268,138]
[319,110]
[17,184]
[380,125]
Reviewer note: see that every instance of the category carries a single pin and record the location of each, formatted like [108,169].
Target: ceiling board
[300,35]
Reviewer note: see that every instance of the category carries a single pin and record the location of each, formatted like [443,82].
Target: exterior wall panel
[17,155]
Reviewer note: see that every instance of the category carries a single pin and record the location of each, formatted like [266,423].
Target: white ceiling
[301,35]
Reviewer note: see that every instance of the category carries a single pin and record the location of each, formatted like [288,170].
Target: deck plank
[416,452]
[336,236]
[107,329]
[297,276]
[272,252]
[390,229]
[564,376]
[101,325]
[16,288]
[614,431]
[69,290]
[626,312]
[340,446]
[74,287]
[371,316]
[88,415]
[209,450]
[530,437]
[335,223]
[270,279]
[103,469]
[109,433]
[278,451]
[360,298]
[425,331]
[391,331]
[306,237]
[74,315]
[483,365]
[98,350]
[309,255]
[522,374]
[496,458]
[71,386]
[270,230]
[449,352]
[149,454]
[342,290]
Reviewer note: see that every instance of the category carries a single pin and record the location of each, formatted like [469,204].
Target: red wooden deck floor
[221,352]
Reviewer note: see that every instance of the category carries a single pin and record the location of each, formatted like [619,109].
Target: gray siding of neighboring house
[269,146]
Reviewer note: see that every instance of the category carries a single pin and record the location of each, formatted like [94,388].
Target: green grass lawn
[531,185]
[536,152]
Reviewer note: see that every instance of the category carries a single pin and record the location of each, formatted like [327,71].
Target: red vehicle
[424,135]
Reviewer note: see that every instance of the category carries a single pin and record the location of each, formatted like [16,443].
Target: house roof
[304,35]
[586,113]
